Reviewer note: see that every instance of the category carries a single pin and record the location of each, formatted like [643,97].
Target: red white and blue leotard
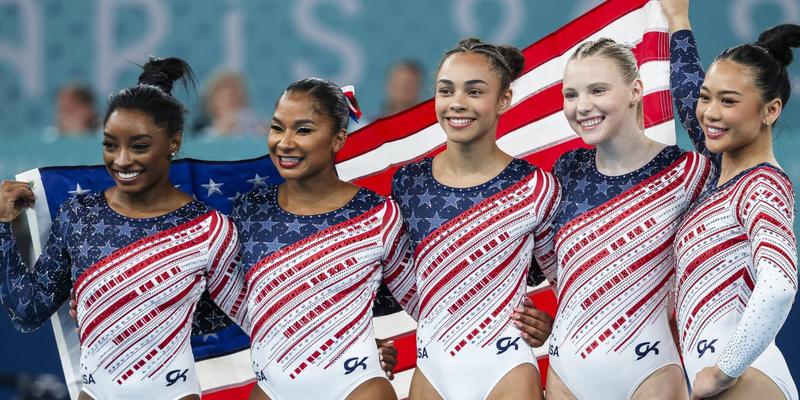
[736,253]
[137,282]
[616,269]
[311,284]
[473,248]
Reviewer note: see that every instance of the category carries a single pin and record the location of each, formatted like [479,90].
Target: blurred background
[60,59]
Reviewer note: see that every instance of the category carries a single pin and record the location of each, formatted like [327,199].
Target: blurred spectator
[226,107]
[403,86]
[75,112]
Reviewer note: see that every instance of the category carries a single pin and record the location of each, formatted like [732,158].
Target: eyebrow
[469,82]
[721,91]
[134,137]
[296,123]
[301,122]
[142,136]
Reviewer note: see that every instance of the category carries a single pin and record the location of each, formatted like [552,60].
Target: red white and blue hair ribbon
[350,94]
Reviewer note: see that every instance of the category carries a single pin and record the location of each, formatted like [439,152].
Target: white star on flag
[78,190]
[212,187]
[257,181]
[210,336]
[235,197]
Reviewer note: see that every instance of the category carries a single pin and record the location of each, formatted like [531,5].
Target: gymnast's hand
[388,356]
[709,382]
[14,197]
[677,13]
[535,325]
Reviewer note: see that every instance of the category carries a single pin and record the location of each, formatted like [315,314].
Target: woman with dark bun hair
[315,249]
[736,248]
[138,256]
[478,220]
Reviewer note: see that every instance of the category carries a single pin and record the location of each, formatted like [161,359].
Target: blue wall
[46,43]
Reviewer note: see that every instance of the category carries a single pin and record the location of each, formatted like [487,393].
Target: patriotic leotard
[736,252]
[136,282]
[473,249]
[616,269]
[311,284]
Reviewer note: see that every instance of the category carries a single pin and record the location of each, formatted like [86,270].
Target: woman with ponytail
[478,220]
[315,249]
[736,248]
[621,205]
[138,255]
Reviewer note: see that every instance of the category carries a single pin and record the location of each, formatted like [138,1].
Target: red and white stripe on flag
[534,129]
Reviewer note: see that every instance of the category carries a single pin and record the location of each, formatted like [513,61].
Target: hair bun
[163,72]
[158,79]
[779,41]
[514,59]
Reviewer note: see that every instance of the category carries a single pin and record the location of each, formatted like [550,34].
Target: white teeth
[460,121]
[591,122]
[712,129]
[291,159]
[128,175]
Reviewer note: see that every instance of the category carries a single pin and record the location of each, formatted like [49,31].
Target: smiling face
[598,102]
[302,141]
[730,109]
[136,151]
[468,98]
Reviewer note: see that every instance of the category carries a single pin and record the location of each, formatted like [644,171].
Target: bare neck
[159,200]
[626,152]
[756,152]
[466,165]
[322,193]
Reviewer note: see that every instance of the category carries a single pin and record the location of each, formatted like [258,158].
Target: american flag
[534,129]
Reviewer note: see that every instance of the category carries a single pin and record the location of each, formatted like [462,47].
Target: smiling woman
[143,129]
[479,221]
[137,154]
[736,250]
[137,257]
[315,250]
[611,336]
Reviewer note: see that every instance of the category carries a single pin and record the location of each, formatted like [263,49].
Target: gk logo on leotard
[352,364]
[705,345]
[644,348]
[88,379]
[176,374]
[553,351]
[505,343]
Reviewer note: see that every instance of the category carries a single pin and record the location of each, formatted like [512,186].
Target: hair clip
[350,94]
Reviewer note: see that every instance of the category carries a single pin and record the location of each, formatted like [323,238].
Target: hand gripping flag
[534,129]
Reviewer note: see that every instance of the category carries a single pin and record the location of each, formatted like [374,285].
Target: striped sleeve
[399,273]
[226,283]
[544,253]
[765,208]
